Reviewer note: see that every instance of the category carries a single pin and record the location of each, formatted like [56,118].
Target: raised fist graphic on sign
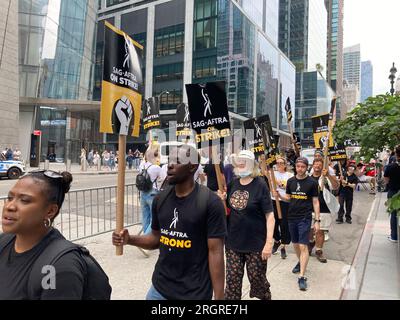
[124,112]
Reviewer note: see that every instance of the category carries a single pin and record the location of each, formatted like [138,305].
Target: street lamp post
[159,103]
[392,77]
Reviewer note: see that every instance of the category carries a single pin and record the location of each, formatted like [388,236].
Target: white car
[12,169]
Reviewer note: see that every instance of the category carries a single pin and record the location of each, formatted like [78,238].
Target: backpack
[143,180]
[201,199]
[96,286]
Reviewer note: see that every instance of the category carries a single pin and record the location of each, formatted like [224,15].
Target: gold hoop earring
[47,223]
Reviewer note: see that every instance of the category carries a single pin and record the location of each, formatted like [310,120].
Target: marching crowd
[207,230]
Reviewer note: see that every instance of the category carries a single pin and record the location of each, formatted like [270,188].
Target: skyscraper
[196,41]
[352,65]
[9,109]
[367,79]
[334,71]
[303,38]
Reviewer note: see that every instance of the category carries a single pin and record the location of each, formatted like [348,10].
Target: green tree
[375,125]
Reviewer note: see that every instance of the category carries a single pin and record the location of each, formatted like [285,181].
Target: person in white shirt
[146,199]
[281,231]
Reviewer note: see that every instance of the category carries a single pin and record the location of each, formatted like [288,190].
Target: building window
[205,24]
[169,41]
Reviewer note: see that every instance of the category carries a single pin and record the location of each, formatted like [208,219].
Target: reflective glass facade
[229,43]
[313,96]
[56,48]
[56,61]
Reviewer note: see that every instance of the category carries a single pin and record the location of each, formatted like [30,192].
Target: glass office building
[196,41]
[303,27]
[56,67]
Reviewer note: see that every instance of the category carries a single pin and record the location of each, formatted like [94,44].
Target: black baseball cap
[302,160]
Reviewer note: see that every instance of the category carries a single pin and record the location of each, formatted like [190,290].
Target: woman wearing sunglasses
[28,215]
[281,231]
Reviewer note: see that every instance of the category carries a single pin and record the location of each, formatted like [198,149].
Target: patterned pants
[256,272]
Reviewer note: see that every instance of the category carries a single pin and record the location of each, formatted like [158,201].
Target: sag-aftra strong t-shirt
[182,270]
[301,197]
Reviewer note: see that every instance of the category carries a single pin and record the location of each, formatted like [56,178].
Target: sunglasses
[48,173]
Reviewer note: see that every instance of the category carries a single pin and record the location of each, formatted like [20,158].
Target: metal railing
[90,212]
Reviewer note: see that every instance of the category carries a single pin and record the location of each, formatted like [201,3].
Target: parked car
[12,169]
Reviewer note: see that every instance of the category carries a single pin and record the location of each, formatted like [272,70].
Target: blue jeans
[146,202]
[153,294]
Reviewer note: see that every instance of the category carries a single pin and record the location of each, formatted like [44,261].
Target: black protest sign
[254,139]
[320,125]
[121,98]
[268,140]
[296,137]
[338,152]
[182,120]
[288,110]
[151,113]
[208,109]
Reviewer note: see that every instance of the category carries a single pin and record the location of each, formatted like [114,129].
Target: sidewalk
[375,272]
[76,169]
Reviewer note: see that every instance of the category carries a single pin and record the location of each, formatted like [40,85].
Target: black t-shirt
[15,271]
[392,172]
[182,270]
[247,222]
[209,170]
[323,208]
[301,194]
[346,190]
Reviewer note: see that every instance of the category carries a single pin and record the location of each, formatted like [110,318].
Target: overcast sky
[376,26]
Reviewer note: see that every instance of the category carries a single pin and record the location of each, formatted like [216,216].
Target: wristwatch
[319,220]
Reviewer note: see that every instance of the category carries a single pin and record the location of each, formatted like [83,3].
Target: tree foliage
[374,124]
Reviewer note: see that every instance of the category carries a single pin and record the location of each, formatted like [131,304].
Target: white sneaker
[392,240]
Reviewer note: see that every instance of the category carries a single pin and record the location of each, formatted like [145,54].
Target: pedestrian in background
[146,197]
[129,159]
[392,178]
[281,230]
[348,184]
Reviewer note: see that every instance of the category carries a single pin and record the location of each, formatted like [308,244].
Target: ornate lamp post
[392,77]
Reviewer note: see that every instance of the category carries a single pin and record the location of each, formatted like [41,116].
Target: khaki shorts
[326,221]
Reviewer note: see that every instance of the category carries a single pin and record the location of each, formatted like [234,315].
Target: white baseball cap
[244,154]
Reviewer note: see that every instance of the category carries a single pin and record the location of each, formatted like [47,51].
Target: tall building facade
[303,27]
[334,70]
[350,97]
[56,68]
[9,98]
[196,41]
[352,65]
[367,80]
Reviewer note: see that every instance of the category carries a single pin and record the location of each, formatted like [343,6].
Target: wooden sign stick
[218,174]
[120,190]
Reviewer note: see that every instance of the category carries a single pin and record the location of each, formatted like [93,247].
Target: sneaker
[283,253]
[276,247]
[339,221]
[348,221]
[392,240]
[311,246]
[320,256]
[296,269]
[302,283]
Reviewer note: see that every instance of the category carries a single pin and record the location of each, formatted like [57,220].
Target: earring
[47,223]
